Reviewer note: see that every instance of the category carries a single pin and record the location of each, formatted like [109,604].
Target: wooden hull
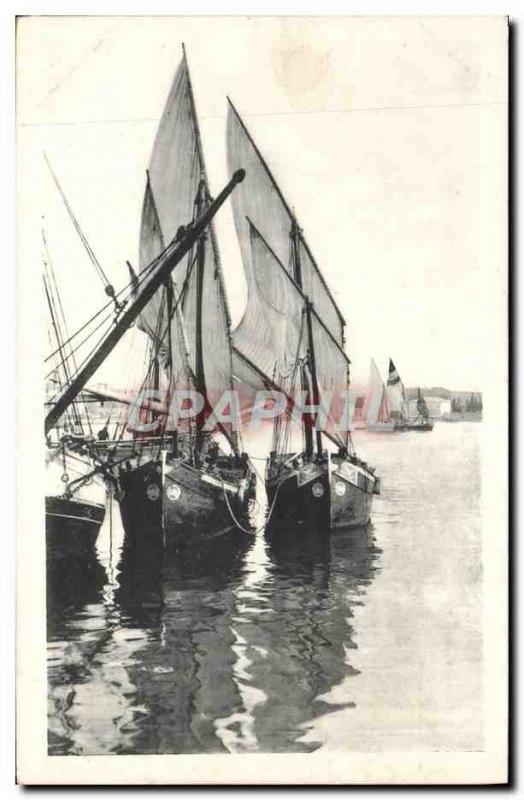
[381,427]
[323,496]
[414,426]
[351,496]
[419,426]
[72,525]
[177,505]
[301,497]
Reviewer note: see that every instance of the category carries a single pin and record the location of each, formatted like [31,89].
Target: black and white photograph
[262,304]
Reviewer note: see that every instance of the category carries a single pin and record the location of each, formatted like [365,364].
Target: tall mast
[166,297]
[58,338]
[200,379]
[307,425]
[203,198]
[167,261]
[314,379]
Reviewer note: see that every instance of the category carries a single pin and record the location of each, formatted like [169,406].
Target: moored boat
[75,494]
[332,492]
[72,525]
[191,486]
[291,338]
[75,499]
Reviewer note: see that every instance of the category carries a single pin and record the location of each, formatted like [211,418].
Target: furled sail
[375,404]
[396,394]
[176,178]
[260,200]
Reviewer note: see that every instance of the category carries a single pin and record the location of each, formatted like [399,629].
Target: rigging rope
[48,266]
[251,531]
[89,250]
[89,321]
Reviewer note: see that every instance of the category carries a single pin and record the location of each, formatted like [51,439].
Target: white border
[7,219]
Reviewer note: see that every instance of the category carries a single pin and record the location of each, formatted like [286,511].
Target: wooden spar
[203,197]
[306,423]
[166,263]
[316,391]
[200,379]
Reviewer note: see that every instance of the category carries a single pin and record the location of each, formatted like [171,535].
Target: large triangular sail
[279,308]
[396,394]
[376,408]
[176,192]
[267,338]
[260,200]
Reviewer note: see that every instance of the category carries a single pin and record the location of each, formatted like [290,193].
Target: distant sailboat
[376,408]
[422,421]
[291,338]
[398,405]
[396,394]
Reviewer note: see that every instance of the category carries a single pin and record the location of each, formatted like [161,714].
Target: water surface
[366,640]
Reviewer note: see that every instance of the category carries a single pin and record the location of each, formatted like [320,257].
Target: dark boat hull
[301,497]
[414,426]
[177,505]
[350,502]
[325,496]
[72,525]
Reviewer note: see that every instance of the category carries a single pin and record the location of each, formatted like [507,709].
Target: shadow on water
[73,581]
[75,620]
[230,647]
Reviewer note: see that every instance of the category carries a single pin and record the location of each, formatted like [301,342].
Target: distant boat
[396,395]
[376,408]
[422,421]
[398,406]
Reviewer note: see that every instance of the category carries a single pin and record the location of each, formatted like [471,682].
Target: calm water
[368,641]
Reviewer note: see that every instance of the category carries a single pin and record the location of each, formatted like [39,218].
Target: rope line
[239,525]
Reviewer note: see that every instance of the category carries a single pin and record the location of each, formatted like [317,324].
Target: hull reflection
[296,625]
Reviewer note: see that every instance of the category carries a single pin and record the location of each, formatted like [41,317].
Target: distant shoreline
[462,416]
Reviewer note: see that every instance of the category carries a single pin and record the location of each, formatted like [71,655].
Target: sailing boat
[75,493]
[398,405]
[422,421]
[396,395]
[183,481]
[376,408]
[291,336]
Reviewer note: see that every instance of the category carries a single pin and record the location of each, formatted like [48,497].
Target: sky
[386,135]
